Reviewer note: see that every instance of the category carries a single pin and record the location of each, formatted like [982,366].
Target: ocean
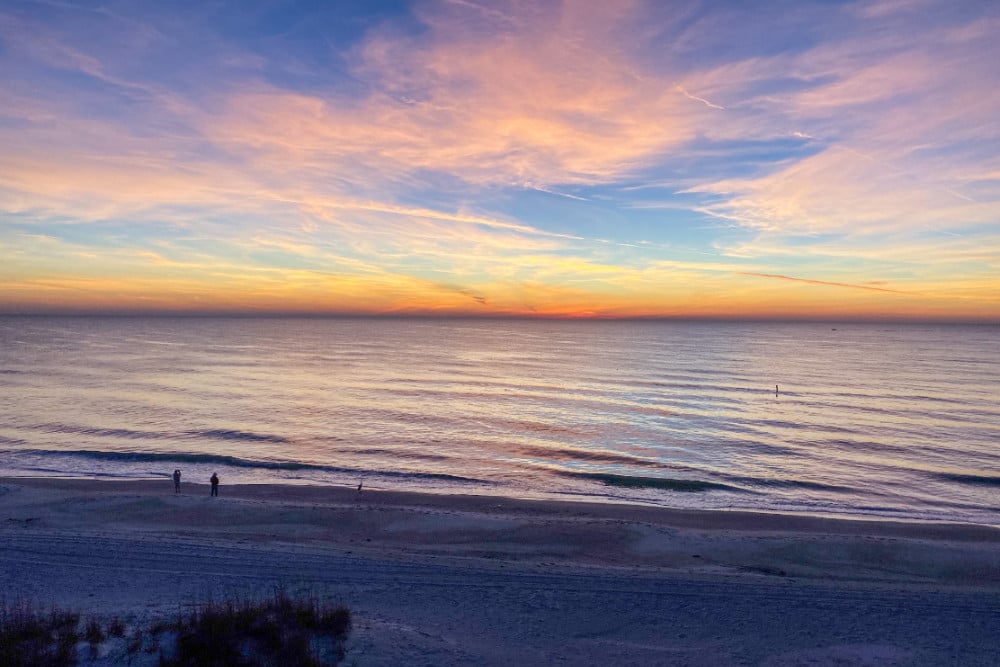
[898,421]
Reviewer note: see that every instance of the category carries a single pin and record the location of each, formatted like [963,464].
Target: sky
[577,159]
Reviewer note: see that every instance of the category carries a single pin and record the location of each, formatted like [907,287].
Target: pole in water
[776,390]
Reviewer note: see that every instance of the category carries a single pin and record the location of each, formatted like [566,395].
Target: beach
[460,579]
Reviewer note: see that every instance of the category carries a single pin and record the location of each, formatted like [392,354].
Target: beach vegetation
[35,638]
[133,644]
[280,630]
[95,635]
[116,628]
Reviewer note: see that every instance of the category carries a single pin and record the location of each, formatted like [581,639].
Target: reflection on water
[893,420]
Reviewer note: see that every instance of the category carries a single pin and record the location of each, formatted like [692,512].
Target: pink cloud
[554,99]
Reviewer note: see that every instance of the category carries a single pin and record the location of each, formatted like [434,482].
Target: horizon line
[167,314]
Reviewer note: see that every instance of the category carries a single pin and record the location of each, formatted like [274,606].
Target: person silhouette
[177,481]
[215,484]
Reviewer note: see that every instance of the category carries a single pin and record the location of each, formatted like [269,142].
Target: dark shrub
[30,637]
[116,628]
[279,631]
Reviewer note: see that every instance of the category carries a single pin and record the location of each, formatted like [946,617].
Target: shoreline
[689,518]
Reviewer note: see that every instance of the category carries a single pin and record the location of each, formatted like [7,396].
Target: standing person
[177,481]
[215,484]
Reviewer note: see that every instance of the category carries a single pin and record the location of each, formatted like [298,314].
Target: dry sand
[472,580]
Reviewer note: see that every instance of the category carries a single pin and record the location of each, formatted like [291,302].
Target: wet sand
[455,580]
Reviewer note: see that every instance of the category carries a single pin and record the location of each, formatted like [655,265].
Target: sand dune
[449,580]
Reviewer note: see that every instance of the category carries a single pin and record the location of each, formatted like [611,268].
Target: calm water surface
[877,420]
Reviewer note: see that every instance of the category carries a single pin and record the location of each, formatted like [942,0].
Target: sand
[473,580]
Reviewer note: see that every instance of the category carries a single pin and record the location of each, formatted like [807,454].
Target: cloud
[553,100]
[840,190]
[896,128]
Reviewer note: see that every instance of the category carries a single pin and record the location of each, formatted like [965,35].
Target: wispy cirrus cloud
[900,120]
[546,99]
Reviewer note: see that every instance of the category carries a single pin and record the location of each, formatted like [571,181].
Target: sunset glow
[472,158]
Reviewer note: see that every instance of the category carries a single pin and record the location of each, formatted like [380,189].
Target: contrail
[708,104]
[821,282]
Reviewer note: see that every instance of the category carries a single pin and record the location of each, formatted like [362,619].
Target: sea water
[878,420]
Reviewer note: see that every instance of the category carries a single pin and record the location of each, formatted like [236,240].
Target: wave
[567,454]
[229,434]
[59,472]
[741,484]
[235,462]
[397,453]
[978,480]
[790,484]
[109,432]
[212,433]
[667,484]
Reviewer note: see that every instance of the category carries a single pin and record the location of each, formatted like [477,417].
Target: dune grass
[32,637]
[278,631]
[281,630]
